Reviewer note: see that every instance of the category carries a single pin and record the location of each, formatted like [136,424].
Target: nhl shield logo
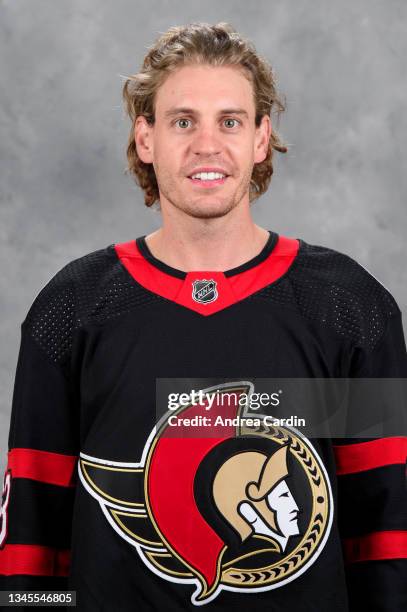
[204,291]
[246,511]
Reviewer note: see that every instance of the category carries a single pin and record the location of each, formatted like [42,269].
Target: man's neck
[207,250]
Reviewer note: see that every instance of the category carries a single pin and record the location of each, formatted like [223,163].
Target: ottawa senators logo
[239,508]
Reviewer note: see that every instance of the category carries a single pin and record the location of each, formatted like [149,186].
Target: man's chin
[206,210]
[203,214]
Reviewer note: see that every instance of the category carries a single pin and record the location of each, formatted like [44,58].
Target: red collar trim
[218,290]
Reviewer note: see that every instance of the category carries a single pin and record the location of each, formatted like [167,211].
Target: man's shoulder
[91,288]
[84,271]
[342,276]
[81,269]
[333,287]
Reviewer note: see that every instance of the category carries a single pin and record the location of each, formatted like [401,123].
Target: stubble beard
[203,208]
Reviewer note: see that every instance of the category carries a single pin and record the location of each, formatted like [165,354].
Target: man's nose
[207,141]
[293,505]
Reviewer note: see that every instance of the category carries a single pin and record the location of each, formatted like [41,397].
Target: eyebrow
[190,111]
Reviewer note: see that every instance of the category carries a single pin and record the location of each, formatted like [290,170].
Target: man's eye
[284,494]
[183,122]
[179,120]
[232,120]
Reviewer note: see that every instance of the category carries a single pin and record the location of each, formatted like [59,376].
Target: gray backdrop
[342,67]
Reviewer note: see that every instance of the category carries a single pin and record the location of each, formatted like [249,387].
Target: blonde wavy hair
[200,44]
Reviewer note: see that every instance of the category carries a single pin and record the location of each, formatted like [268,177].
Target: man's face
[204,119]
[280,500]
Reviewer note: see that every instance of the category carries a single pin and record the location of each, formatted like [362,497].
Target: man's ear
[143,138]
[263,133]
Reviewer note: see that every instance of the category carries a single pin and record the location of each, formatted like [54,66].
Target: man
[210,296]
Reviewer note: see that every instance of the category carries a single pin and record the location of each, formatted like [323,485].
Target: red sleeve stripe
[362,456]
[34,560]
[376,546]
[52,468]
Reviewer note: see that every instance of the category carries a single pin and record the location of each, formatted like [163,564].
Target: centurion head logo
[251,491]
[240,508]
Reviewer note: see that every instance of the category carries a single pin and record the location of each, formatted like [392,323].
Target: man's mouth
[296,515]
[208,179]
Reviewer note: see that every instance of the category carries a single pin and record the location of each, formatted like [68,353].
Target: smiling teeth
[208,176]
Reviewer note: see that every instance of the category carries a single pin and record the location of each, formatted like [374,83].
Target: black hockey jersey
[140,504]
